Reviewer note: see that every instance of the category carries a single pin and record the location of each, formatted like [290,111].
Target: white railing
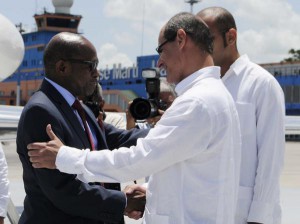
[292,125]
[10,115]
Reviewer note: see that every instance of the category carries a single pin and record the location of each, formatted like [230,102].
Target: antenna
[20,27]
[143,24]
[192,2]
[36,6]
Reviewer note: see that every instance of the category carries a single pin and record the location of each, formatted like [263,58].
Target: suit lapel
[66,111]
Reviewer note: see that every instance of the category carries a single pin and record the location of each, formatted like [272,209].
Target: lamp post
[18,99]
[192,2]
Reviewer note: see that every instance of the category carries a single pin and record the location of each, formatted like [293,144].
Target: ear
[231,36]
[61,66]
[181,37]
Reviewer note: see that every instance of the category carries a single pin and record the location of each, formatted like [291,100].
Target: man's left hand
[43,154]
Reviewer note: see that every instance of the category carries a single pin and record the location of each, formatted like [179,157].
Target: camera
[141,108]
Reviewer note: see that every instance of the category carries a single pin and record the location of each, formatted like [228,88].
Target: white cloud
[132,9]
[155,12]
[125,38]
[267,29]
[142,21]
[109,55]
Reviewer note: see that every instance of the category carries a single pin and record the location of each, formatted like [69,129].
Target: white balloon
[11,47]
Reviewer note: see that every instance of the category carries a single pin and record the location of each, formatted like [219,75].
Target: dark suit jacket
[55,197]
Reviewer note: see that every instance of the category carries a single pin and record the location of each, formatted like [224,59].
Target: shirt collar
[237,67]
[65,93]
[207,72]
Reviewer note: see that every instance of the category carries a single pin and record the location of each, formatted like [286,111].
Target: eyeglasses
[92,64]
[159,48]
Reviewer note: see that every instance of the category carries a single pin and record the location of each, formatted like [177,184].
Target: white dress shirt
[4,184]
[260,104]
[192,156]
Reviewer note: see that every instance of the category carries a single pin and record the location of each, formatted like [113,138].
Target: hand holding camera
[141,108]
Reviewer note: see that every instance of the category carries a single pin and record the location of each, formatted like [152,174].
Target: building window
[24,63]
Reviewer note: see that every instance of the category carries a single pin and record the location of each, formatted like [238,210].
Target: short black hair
[222,19]
[62,46]
[193,26]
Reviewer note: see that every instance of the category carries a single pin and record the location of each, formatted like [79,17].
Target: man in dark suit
[70,62]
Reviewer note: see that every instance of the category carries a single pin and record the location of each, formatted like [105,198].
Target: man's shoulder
[38,99]
[256,74]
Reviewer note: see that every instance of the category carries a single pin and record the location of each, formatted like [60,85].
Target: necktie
[100,121]
[76,105]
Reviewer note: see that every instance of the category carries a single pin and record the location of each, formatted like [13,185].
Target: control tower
[61,20]
[18,87]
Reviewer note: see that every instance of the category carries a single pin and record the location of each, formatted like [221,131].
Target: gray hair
[193,26]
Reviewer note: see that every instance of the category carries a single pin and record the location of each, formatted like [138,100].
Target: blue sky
[122,30]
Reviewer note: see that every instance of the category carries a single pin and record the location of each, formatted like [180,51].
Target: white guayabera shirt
[192,156]
[260,104]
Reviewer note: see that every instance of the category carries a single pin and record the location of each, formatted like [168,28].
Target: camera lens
[140,108]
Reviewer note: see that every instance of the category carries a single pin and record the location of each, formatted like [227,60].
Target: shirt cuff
[70,160]
[260,212]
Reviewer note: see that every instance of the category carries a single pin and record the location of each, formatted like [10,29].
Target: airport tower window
[40,22]
[66,23]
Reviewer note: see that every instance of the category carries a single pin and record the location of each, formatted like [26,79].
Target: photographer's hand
[130,121]
[153,120]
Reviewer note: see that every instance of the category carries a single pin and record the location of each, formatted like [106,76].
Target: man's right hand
[136,201]
[43,154]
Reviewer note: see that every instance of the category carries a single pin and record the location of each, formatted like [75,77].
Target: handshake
[136,201]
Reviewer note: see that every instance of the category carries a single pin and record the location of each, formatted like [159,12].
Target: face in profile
[84,74]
